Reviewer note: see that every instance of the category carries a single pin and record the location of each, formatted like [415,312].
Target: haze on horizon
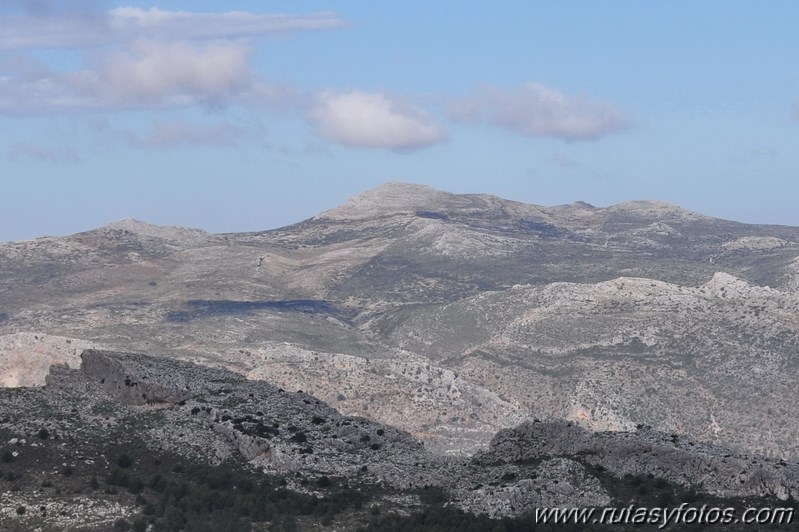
[244,116]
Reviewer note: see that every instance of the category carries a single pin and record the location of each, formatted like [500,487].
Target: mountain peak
[393,198]
[164,232]
[130,224]
[389,198]
[655,208]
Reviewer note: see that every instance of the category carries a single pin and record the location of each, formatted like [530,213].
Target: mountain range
[448,318]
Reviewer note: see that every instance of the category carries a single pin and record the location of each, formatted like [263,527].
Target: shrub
[124,461]
[118,478]
[135,486]
[43,433]
[692,495]
[665,499]
[432,495]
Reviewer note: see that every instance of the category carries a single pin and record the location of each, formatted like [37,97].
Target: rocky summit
[426,347]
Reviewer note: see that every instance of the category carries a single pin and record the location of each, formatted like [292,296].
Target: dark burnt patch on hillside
[205,308]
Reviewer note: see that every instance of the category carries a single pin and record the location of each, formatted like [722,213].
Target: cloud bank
[146,58]
[62,29]
[536,110]
[153,59]
[374,120]
[147,74]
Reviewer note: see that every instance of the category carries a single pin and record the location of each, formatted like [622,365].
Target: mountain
[448,316]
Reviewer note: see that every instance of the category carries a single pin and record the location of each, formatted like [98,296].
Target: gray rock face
[717,470]
[559,483]
[132,382]
[273,429]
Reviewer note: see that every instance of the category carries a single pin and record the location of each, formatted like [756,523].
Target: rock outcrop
[717,470]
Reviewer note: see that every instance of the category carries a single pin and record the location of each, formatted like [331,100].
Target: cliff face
[25,358]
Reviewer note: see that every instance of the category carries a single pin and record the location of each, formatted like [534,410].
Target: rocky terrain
[450,317]
[105,442]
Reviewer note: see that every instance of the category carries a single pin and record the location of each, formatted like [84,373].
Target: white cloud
[156,72]
[373,120]
[147,74]
[65,29]
[188,25]
[38,152]
[145,58]
[539,111]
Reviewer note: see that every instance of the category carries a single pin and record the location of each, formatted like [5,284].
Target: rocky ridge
[216,416]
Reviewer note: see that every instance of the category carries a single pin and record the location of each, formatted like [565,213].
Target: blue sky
[245,115]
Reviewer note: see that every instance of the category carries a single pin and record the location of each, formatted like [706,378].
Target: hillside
[448,316]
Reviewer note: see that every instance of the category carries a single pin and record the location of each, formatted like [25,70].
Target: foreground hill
[448,316]
[127,440]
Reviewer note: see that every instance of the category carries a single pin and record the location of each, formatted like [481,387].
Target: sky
[249,115]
